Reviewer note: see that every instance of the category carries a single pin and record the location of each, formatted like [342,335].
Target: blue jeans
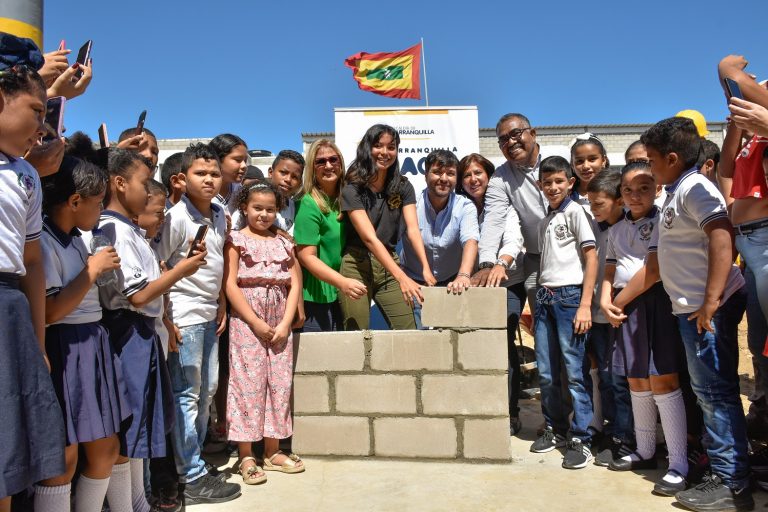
[557,343]
[615,398]
[194,373]
[713,361]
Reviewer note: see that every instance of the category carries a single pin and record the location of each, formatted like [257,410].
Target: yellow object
[697,118]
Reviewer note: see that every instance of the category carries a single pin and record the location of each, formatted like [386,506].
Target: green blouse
[313,227]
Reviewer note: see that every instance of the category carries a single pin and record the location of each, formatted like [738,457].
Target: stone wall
[438,394]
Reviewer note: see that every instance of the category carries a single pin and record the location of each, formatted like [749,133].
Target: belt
[9,279]
[745,229]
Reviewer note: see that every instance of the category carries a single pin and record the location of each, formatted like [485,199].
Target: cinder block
[487,439]
[465,395]
[310,394]
[415,437]
[411,350]
[475,308]
[483,350]
[373,394]
[330,352]
[331,435]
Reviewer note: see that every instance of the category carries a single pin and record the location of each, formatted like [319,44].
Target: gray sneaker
[577,455]
[547,442]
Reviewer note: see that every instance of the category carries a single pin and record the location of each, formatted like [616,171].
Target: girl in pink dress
[263,285]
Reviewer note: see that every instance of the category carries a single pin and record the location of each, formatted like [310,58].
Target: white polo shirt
[64,258]
[692,202]
[194,299]
[20,212]
[629,242]
[563,235]
[138,265]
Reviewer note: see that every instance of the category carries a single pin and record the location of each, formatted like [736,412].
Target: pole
[424,67]
[23,18]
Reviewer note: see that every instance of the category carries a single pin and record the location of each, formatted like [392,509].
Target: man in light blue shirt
[448,225]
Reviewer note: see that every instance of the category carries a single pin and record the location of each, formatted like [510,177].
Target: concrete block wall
[432,394]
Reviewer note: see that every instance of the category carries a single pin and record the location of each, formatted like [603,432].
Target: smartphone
[82,57]
[732,86]
[103,137]
[199,237]
[140,124]
[54,117]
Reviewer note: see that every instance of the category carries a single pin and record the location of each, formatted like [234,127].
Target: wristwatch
[486,264]
[503,263]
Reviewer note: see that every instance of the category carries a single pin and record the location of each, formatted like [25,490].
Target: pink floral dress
[260,375]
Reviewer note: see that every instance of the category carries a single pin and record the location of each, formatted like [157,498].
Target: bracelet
[502,263]
[463,274]
[486,264]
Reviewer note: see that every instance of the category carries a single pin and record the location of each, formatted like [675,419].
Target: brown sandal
[289,466]
[252,475]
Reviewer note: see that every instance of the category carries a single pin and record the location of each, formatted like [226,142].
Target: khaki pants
[383,289]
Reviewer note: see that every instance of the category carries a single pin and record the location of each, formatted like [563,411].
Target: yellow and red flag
[390,74]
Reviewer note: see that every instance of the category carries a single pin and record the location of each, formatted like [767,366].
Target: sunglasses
[514,134]
[333,160]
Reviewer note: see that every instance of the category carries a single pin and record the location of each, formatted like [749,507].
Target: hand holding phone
[54,117]
[199,237]
[140,124]
[733,89]
[83,56]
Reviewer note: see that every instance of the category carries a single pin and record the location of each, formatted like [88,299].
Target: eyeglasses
[320,162]
[514,134]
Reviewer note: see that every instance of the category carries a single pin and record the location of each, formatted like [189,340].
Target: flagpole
[424,66]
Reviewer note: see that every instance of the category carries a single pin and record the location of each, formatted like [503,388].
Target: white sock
[672,412]
[597,406]
[644,411]
[138,496]
[90,494]
[119,488]
[53,499]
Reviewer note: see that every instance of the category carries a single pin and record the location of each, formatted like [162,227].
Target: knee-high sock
[644,411]
[54,498]
[90,494]
[138,496]
[672,413]
[119,488]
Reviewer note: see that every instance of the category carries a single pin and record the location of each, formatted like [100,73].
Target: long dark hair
[362,171]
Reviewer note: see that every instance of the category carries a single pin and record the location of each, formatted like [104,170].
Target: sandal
[289,466]
[252,475]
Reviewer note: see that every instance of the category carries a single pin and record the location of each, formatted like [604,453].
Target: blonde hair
[310,187]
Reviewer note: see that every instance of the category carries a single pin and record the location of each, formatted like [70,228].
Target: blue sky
[268,71]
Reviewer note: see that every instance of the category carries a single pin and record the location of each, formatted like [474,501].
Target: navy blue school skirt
[32,430]
[88,379]
[147,384]
[648,342]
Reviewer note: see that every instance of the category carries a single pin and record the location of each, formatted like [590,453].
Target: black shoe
[547,442]
[610,449]
[577,455]
[209,489]
[514,425]
[665,488]
[623,464]
[712,494]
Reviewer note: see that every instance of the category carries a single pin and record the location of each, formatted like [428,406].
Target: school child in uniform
[198,307]
[132,303]
[263,287]
[615,405]
[86,374]
[649,349]
[563,314]
[589,159]
[169,177]
[707,291]
[33,436]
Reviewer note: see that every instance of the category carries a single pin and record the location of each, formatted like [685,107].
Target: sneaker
[214,472]
[610,449]
[547,442]
[515,425]
[577,455]
[712,494]
[209,489]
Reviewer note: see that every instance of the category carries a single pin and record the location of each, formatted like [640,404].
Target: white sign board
[421,129]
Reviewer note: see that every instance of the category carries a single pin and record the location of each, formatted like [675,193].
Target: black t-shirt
[384,209]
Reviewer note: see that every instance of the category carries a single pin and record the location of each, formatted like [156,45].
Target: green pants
[383,289]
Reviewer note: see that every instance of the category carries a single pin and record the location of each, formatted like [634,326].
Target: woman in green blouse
[319,235]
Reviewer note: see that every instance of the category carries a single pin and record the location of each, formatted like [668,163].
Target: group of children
[663,320]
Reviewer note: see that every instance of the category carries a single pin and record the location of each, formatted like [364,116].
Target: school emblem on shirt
[136,272]
[669,217]
[27,183]
[645,231]
[561,231]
